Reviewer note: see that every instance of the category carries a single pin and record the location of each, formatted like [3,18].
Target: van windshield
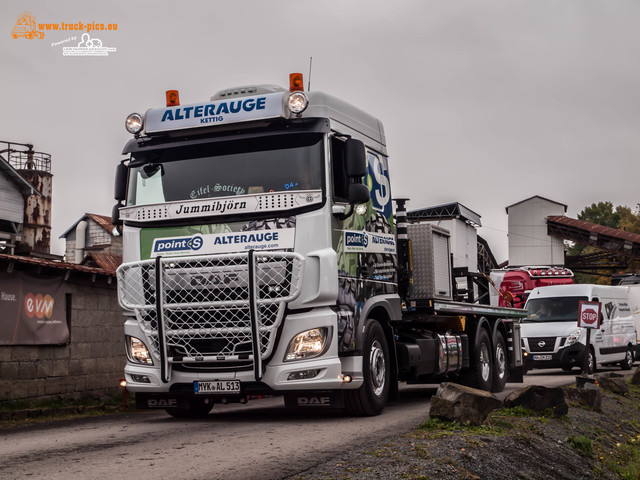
[553,309]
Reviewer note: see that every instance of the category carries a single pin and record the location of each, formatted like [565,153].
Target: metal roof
[55,264]
[587,233]
[109,263]
[102,220]
[13,174]
[447,211]
[536,196]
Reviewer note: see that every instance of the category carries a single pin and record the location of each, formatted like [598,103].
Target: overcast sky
[485,103]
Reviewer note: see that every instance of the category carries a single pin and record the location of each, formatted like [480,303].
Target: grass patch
[435,428]
[623,458]
[582,444]
[12,405]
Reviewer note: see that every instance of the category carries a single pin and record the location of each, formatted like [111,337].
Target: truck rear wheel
[500,365]
[371,398]
[481,374]
[198,407]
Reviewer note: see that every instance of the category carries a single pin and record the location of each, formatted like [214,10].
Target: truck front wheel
[371,398]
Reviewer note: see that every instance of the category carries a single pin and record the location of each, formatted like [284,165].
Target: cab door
[601,337]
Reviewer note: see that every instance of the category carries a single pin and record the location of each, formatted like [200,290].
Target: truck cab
[261,257]
[517,283]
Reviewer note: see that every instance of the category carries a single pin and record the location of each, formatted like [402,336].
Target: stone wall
[89,365]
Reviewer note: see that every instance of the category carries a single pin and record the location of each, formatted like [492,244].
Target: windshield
[239,167]
[553,309]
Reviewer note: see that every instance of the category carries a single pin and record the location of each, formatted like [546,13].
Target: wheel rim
[377,368]
[629,358]
[485,362]
[591,363]
[501,361]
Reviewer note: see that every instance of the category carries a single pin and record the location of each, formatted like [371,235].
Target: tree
[601,213]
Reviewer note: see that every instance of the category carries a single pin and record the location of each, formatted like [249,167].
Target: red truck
[518,282]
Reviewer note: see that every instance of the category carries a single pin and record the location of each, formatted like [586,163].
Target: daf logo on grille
[212,279]
[541,343]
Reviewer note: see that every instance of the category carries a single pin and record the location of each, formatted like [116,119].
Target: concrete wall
[90,365]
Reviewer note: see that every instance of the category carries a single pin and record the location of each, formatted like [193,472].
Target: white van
[551,337]
[634,303]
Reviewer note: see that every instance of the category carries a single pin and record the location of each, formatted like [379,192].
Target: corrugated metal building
[461,222]
[529,242]
[91,234]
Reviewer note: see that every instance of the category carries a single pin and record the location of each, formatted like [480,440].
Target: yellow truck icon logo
[26,27]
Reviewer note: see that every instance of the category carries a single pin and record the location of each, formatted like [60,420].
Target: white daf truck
[261,257]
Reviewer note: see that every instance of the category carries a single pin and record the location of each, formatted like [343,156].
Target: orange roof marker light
[173,98]
[298,101]
[295,82]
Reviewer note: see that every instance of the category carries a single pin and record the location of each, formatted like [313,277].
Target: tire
[500,364]
[627,363]
[198,408]
[371,398]
[591,362]
[481,373]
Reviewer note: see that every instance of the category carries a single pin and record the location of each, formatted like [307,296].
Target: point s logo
[38,306]
[184,244]
[356,239]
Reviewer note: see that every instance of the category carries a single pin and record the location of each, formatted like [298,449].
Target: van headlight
[309,344]
[137,351]
[573,337]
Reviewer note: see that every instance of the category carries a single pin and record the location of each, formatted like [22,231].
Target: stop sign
[589,314]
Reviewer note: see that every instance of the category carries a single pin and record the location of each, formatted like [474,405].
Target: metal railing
[211,310]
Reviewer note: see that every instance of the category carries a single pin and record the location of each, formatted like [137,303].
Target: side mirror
[356,160]
[120,184]
[358,193]
[115,215]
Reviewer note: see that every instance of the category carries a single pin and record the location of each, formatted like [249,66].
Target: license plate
[217,386]
[542,357]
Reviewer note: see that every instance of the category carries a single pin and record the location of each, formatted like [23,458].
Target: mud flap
[321,399]
[516,375]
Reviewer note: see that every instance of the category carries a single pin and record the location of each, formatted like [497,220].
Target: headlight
[573,337]
[309,344]
[134,123]
[298,102]
[137,351]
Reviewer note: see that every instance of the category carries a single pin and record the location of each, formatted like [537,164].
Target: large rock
[635,379]
[455,402]
[614,382]
[538,399]
[588,396]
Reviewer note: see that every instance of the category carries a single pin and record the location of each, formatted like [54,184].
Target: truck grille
[542,344]
[211,307]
